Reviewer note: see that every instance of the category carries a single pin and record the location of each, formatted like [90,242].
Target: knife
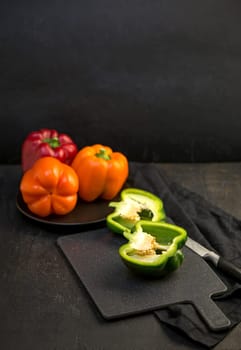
[221,263]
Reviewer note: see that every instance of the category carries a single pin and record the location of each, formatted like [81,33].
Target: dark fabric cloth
[210,226]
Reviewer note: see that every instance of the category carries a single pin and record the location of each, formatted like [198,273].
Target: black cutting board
[118,293]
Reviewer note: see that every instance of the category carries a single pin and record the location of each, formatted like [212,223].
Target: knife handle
[229,268]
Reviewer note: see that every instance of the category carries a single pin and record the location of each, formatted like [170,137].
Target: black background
[158,80]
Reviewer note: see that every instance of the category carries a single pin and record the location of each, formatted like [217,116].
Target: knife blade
[218,261]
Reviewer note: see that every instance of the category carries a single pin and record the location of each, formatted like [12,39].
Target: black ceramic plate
[84,213]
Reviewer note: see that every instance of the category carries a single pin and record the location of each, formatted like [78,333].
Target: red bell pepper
[47,143]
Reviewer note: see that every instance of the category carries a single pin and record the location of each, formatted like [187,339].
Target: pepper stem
[103,154]
[53,142]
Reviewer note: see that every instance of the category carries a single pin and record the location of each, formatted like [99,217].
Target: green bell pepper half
[153,249]
[134,205]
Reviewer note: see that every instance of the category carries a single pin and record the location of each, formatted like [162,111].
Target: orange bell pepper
[101,172]
[50,187]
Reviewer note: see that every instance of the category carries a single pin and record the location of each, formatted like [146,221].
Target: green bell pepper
[154,248]
[134,205]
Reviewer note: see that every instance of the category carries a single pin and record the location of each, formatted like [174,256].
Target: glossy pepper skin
[101,172]
[154,249]
[44,143]
[135,204]
[50,187]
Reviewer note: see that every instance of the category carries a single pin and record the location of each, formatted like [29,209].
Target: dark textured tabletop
[43,305]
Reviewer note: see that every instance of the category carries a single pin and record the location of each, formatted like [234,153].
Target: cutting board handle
[212,314]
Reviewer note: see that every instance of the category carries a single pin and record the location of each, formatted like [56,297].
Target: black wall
[159,80]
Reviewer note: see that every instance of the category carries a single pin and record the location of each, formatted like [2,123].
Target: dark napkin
[210,226]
